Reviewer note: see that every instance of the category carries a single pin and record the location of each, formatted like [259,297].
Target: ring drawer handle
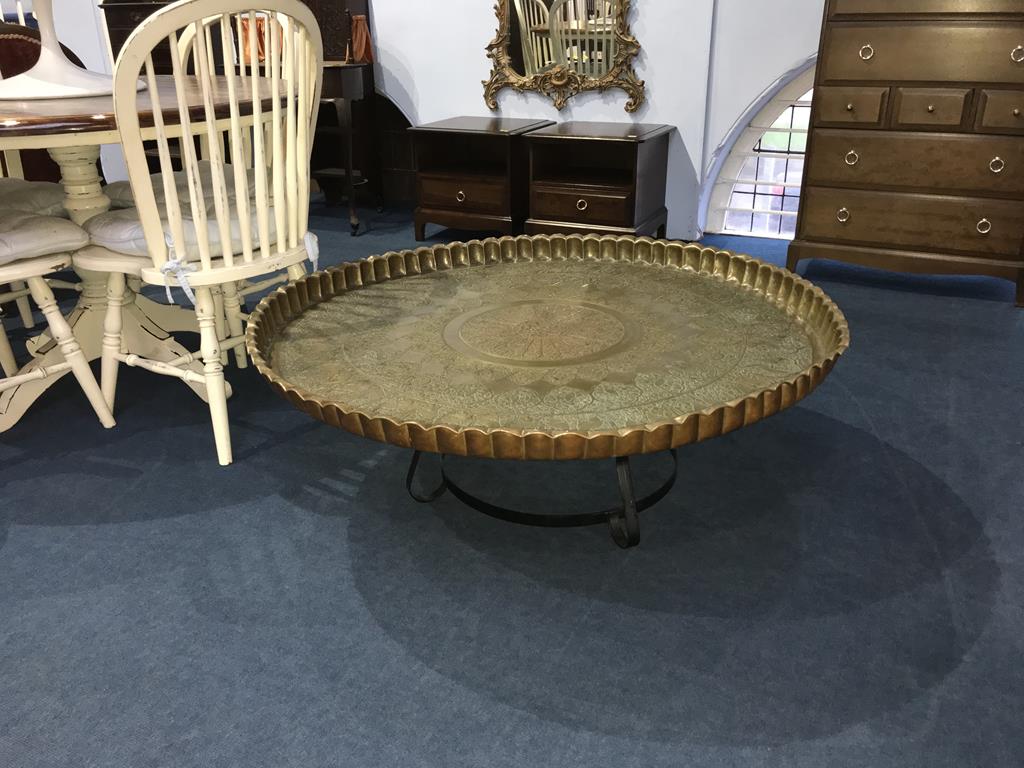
[984,227]
[867,52]
[460,196]
[1017,54]
[998,165]
[582,205]
[852,158]
[843,215]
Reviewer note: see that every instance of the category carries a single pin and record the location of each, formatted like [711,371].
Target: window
[757,190]
[765,194]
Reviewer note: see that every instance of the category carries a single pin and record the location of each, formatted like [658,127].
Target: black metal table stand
[623,520]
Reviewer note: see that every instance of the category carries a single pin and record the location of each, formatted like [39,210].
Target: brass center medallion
[541,333]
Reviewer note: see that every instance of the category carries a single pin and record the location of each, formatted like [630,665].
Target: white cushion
[121,231]
[42,197]
[121,196]
[27,235]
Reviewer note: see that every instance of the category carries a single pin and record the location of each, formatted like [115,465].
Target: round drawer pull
[984,227]
[582,205]
[931,107]
[1016,112]
[867,52]
[1017,54]
[998,165]
[852,158]
[460,196]
[849,107]
[843,215]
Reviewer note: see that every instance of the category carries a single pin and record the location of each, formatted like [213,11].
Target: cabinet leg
[791,261]
[1020,288]
[421,231]
[662,231]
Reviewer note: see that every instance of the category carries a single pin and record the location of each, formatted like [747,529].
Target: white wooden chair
[14,8]
[537,53]
[583,34]
[31,247]
[214,223]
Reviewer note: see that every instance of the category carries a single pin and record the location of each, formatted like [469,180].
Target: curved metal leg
[411,475]
[624,520]
[625,525]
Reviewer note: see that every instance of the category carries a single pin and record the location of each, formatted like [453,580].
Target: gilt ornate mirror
[563,47]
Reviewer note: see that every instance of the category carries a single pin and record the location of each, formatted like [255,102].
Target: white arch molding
[726,163]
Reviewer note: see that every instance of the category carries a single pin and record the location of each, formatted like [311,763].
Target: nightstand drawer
[993,228]
[471,194]
[948,163]
[850,106]
[907,51]
[602,206]
[929,108]
[911,7]
[1001,111]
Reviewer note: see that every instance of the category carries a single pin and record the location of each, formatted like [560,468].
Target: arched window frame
[725,170]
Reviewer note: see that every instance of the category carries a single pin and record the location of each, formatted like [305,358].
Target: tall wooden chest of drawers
[915,159]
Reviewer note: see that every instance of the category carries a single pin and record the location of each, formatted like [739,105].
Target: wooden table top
[95,114]
[508,126]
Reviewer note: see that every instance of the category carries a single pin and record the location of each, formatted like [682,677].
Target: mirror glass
[576,34]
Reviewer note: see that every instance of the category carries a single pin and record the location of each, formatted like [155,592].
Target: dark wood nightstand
[607,178]
[472,173]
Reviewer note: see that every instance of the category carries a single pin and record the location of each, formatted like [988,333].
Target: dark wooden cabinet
[471,173]
[123,16]
[915,158]
[598,177]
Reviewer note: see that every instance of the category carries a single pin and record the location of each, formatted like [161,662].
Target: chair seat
[39,266]
[121,195]
[42,197]
[121,231]
[27,235]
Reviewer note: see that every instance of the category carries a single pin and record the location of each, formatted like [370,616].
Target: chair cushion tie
[312,243]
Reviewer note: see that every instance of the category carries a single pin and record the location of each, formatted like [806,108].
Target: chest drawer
[947,163]
[471,194]
[850,105]
[1001,111]
[991,228]
[604,206]
[909,51]
[911,7]
[924,108]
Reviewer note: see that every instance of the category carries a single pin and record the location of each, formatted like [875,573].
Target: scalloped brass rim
[789,292]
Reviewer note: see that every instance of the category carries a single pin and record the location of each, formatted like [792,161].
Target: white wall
[432,64]
[755,42]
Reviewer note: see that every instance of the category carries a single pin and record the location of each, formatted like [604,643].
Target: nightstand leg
[421,231]
[662,231]
[1020,288]
[791,261]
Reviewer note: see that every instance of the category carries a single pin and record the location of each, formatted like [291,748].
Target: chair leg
[112,324]
[65,338]
[24,307]
[7,362]
[219,320]
[233,315]
[213,371]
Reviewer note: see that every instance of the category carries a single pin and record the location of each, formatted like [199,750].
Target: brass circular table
[548,348]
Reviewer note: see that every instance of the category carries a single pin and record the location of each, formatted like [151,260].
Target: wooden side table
[472,173]
[607,178]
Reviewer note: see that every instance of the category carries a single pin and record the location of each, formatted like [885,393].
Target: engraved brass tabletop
[560,347]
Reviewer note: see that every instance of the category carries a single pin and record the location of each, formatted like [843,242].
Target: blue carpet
[840,585]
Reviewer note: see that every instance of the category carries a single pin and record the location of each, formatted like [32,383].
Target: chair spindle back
[258,120]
